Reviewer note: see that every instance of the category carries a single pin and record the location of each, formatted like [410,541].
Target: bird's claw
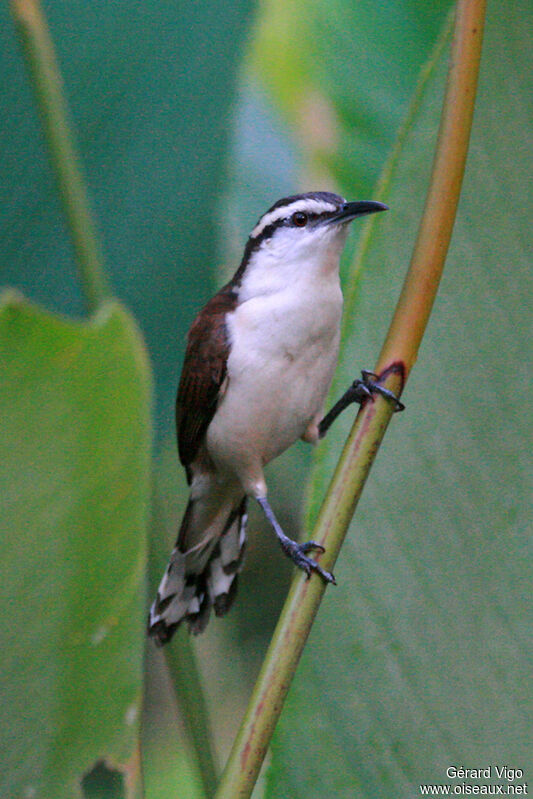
[297,551]
[309,545]
[367,386]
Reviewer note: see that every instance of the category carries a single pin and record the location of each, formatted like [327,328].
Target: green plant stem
[380,193]
[51,100]
[183,668]
[181,661]
[434,234]
[396,359]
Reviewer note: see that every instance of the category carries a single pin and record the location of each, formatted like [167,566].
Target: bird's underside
[259,361]
[229,427]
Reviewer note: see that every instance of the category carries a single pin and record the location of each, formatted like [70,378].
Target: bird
[259,362]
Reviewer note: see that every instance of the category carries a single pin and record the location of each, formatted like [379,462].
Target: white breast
[284,348]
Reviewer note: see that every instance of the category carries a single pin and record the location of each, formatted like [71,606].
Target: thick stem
[49,93]
[397,357]
[302,604]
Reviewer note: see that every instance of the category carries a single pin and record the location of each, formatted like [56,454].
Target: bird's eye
[299,218]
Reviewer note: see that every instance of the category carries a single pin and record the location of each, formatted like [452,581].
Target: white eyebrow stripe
[309,205]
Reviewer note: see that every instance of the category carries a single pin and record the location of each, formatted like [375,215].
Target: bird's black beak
[350,211]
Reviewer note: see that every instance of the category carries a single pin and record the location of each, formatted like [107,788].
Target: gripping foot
[360,390]
[367,386]
[295,551]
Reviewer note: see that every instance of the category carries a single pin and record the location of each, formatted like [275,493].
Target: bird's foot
[297,553]
[362,389]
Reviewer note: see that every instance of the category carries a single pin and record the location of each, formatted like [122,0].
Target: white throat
[293,261]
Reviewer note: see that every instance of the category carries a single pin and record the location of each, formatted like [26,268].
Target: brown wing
[204,370]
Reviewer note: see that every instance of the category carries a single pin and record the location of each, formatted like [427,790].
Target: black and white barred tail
[202,577]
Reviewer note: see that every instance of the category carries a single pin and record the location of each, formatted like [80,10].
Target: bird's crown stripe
[308,205]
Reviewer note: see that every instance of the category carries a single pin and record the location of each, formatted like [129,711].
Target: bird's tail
[201,576]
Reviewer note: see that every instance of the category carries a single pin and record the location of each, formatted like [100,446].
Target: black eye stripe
[268,231]
[287,221]
[254,242]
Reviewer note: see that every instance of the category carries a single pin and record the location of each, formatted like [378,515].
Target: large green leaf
[343,74]
[418,660]
[150,86]
[326,87]
[74,481]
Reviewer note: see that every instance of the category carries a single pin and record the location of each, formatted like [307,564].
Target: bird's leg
[294,550]
[359,391]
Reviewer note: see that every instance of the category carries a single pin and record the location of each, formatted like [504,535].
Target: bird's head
[303,232]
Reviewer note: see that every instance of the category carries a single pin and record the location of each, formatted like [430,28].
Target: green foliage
[419,659]
[327,88]
[150,90]
[343,74]
[150,87]
[74,471]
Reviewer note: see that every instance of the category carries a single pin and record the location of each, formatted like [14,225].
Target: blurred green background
[191,119]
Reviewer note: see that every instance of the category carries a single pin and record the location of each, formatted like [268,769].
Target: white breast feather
[284,348]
